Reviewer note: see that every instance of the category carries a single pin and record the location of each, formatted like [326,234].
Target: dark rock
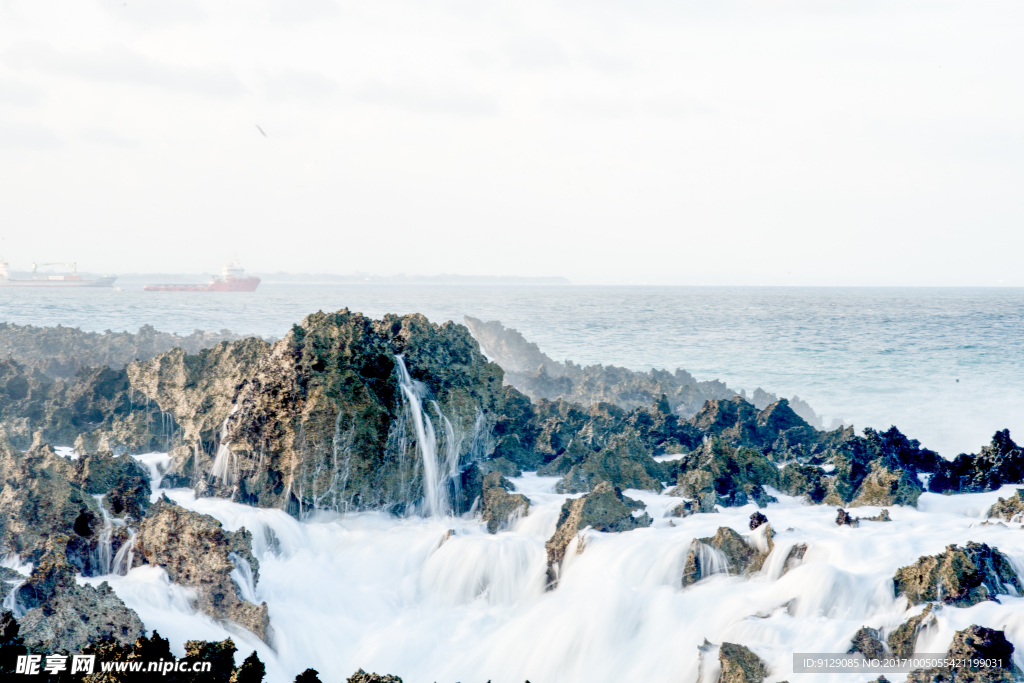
[1008,509]
[94,410]
[603,509]
[322,420]
[843,517]
[756,520]
[810,481]
[740,665]
[626,465]
[63,616]
[308,676]
[196,551]
[882,516]
[734,475]
[40,498]
[498,504]
[868,641]
[727,552]
[999,463]
[958,576]
[60,352]
[883,486]
[361,676]
[972,646]
[904,637]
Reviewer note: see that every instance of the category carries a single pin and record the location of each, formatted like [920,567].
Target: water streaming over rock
[440,599]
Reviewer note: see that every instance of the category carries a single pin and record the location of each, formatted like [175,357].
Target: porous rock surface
[739,556]
[740,665]
[499,505]
[1008,508]
[197,552]
[958,576]
[62,615]
[603,509]
[868,641]
[974,647]
[60,352]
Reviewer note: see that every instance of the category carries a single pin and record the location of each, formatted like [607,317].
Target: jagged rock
[691,507]
[625,465]
[197,552]
[882,516]
[726,551]
[61,615]
[973,644]
[540,377]
[879,468]
[868,641]
[197,391]
[323,420]
[1008,508]
[795,557]
[958,576]
[734,475]
[776,429]
[39,498]
[843,517]
[472,478]
[883,486]
[498,504]
[999,463]
[904,637]
[740,665]
[121,480]
[796,479]
[756,520]
[60,352]
[603,509]
[96,406]
[361,676]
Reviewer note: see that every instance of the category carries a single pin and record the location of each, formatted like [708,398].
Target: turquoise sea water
[944,365]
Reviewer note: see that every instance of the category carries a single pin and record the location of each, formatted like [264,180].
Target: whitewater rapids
[392,595]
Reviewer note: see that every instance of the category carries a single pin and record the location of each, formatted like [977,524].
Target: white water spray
[224,465]
[435,479]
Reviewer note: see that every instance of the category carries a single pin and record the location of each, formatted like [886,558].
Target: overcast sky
[678,142]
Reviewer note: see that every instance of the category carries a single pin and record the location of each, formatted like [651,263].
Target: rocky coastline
[348,414]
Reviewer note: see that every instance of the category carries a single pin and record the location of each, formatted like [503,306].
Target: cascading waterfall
[125,555]
[243,577]
[106,534]
[435,478]
[224,465]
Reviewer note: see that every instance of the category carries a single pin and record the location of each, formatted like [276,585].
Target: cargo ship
[233,279]
[42,280]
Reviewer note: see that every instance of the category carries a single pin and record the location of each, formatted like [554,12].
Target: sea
[944,365]
[437,599]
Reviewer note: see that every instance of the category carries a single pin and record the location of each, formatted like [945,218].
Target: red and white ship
[233,279]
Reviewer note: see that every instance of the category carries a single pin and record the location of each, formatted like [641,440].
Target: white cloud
[118,65]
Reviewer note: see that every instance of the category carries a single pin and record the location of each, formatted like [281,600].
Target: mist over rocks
[539,376]
[60,352]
